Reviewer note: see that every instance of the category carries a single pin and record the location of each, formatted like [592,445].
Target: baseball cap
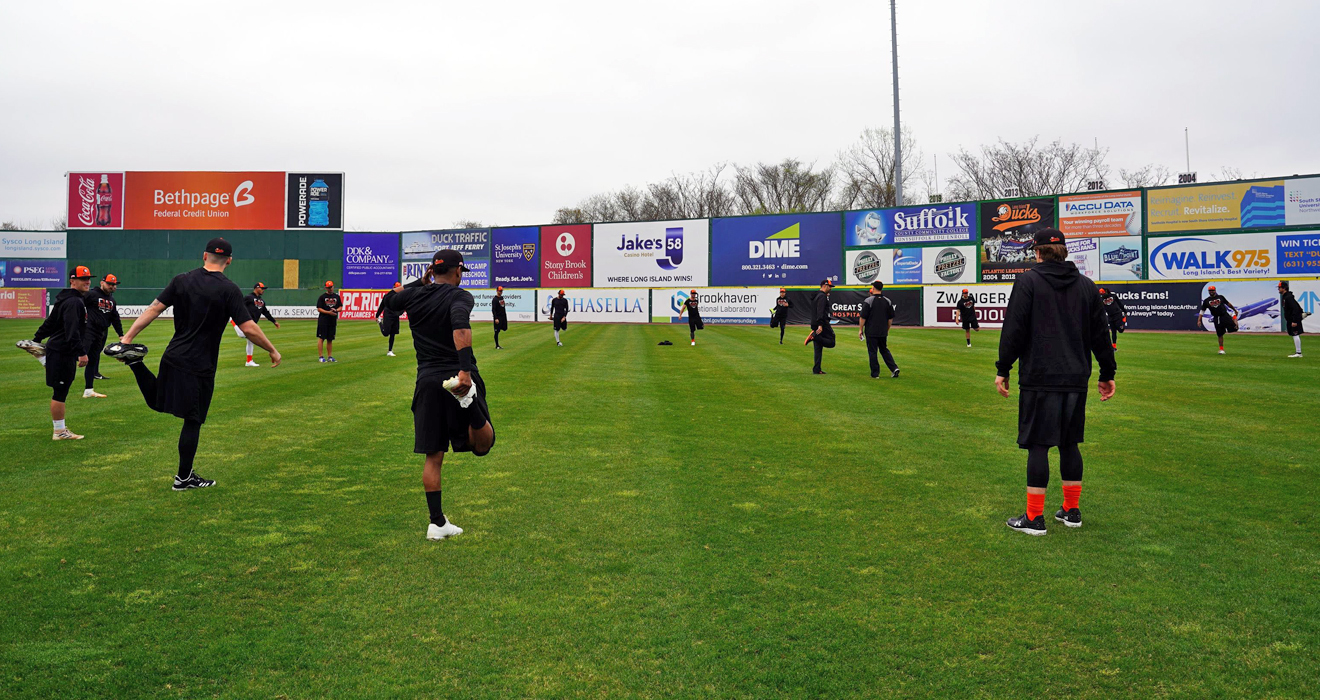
[258,286]
[219,246]
[329,284]
[561,292]
[1102,290]
[499,289]
[694,291]
[1048,236]
[81,272]
[964,291]
[782,289]
[448,258]
[826,281]
[1212,288]
[398,284]
[111,279]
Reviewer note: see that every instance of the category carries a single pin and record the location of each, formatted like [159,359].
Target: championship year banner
[590,305]
[935,223]
[519,305]
[515,257]
[750,306]
[22,303]
[1237,255]
[33,244]
[651,253]
[1101,214]
[940,302]
[782,249]
[1007,230]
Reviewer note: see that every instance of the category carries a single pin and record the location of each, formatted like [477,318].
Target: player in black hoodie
[1292,317]
[102,313]
[1054,323]
[387,318]
[66,349]
[779,315]
[1116,312]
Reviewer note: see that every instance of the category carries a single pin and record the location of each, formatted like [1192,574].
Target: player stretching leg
[387,319]
[779,314]
[822,333]
[439,314]
[204,300]
[1218,307]
[965,311]
[694,316]
[1054,324]
[1292,317]
[1116,313]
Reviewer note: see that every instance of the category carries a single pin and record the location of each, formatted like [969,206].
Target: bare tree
[1149,175]
[1026,169]
[697,195]
[788,186]
[866,171]
[9,226]
[59,223]
[470,223]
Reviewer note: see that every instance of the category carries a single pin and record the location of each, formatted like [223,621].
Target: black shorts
[1291,329]
[777,321]
[325,327]
[501,323]
[971,323]
[694,323]
[440,424]
[1051,418]
[183,394]
[388,326]
[561,324]
[61,370]
[826,339]
[1116,324]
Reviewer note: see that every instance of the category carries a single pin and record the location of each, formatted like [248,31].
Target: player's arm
[460,319]
[265,311]
[259,339]
[73,322]
[1103,350]
[1015,334]
[861,317]
[148,315]
[116,322]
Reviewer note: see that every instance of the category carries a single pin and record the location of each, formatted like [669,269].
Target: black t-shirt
[876,311]
[692,305]
[497,306]
[966,309]
[782,305]
[256,308]
[1218,306]
[821,318]
[435,311]
[558,307]
[203,303]
[329,302]
[102,312]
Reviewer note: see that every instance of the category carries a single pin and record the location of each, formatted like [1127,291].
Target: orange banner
[22,303]
[204,200]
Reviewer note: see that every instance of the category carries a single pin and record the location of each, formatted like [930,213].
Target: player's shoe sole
[810,337]
[192,482]
[66,434]
[894,375]
[1296,354]
[439,532]
[1221,352]
[126,352]
[1071,518]
[389,354]
[32,347]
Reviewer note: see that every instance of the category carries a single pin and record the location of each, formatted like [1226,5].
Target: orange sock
[249,358]
[1071,494]
[1035,505]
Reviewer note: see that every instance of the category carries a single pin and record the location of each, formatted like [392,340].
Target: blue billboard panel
[34,273]
[515,258]
[780,249]
[935,223]
[473,243]
[907,266]
[371,260]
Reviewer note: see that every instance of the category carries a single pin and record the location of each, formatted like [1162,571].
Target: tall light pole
[898,134]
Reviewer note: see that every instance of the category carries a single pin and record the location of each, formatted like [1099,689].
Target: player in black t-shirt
[779,314]
[501,317]
[559,315]
[965,311]
[439,314]
[694,316]
[102,313]
[877,318]
[204,300]
[256,308]
[1116,313]
[387,319]
[1218,307]
[327,317]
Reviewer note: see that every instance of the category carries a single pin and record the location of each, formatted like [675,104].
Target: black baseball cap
[219,246]
[1048,236]
[826,281]
[258,286]
[448,258]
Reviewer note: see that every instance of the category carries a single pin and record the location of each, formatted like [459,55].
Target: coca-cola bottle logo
[87,195]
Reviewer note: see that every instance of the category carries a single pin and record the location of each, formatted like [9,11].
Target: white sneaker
[1221,352]
[694,343]
[1296,354]
[250,363]
[559,344]
[66,434]
[389,354]
[439,532]
[91,394]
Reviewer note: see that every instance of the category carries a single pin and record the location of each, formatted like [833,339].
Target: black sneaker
[127,353]
[99,377]
[1071,518]
[1030,526]
[895,374]
[192,482]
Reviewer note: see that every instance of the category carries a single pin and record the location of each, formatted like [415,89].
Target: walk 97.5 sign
[652,253]
[799,249]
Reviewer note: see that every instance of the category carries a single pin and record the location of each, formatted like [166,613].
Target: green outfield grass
[708,522]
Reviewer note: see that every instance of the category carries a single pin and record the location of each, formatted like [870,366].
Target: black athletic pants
[391,349]
[783,326]
[94,347]
[191,433]
[1038,464]
[879,345]
[822,341]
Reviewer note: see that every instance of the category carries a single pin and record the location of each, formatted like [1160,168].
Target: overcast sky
[504,111]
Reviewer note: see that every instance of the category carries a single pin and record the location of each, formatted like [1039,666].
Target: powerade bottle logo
[318,205]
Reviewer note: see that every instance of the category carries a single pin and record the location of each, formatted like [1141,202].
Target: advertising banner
[866,265]
[1258,303]
[371,260]
[1101,214]
[204,200]
[935,223]
[1297,254]
[846,306]
[519,305]
[515,260]
[952,265]
[473,243]
[34,273]
[598,305]
[651,253]
[359,304]
[1160,306]
[95,200]
[1308,297]
[281,312]
[1239,255]
[33,244]
[22,303]
[314,200]
[1302,207]
[1007,229]
[907,306]
[1216,207]
[1120,258]
[1085,254]
[739,307]
[566,256]
[778,250]
[991,304]
[908,266]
